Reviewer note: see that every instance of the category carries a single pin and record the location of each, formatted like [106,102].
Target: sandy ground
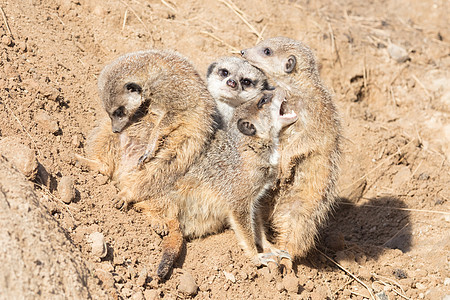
[389,237]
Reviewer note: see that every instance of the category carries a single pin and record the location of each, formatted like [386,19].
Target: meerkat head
[234,81]
[265,117]
[121,88]
[281,56]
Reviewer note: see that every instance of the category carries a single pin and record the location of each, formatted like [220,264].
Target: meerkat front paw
[120,203]
[143,159]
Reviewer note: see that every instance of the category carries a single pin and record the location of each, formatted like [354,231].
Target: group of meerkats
[255,149]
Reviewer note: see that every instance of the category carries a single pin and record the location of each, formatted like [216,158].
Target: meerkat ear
[290,64]
[246,127]
[210,69]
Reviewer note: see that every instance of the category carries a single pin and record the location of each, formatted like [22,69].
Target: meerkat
[161,118]
[233,81]
[224,186]
[309,149]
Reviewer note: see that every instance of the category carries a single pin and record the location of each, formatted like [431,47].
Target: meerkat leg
[153,141]
[241,223]
[157,220]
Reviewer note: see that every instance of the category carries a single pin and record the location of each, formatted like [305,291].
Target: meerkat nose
[231,83]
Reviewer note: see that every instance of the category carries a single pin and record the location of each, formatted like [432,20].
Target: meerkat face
[234,81]
[280,56]
[122,103]
[265,117]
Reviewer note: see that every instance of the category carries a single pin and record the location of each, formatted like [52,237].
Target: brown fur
[161,120]
[225,185]
[309,148]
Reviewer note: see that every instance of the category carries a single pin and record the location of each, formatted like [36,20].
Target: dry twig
[136,15]
[241,16]
[235,50]
[398,208]
[6,21]
[348,272]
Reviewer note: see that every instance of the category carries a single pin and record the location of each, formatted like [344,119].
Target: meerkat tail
[171,245]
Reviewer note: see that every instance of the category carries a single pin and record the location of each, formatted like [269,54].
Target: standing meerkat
[309,149]
[233,81]
[161,118]
[225,185]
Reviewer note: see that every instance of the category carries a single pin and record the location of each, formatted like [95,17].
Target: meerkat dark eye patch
[267,86]
[133,87]
[290,64]
[119,113]
[246,127]
[264,100]
[210,69]
[223,72]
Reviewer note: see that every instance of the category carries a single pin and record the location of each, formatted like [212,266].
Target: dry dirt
[391,229]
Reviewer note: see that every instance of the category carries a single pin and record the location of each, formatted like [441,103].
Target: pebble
[397,53]
[46,121]
[187,284]
[381,296]
[309,286]
[365,274]
[7,41]
[151,295]
[106,277]
[20,155]
[447,281]
[142,277]
[399,274]
[229,276]
[137,296]
[99,248]
[280,287]
[66,189]
[290,283]
[420,286]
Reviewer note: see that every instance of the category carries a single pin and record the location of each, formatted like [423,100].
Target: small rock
[106,277]
[142,277]
[401,178]
[7,41]
[290,283]
[66,189]
[188,285]
[420,286]
[447,281]
[137,296]
[99,248]
[46,121]
[309,286]
[365,274]
[20,155]
[127,292]
[151,295]
[229,276]
[280,287]
[381,296]
[397,53]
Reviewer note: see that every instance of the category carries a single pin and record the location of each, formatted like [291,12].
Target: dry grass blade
[240,14]
[422,86]
[398,232]
[333,44]
[125,15]
[136,15]
[349,273]
[235,50]
[169,6]
[23,127]
[6,21]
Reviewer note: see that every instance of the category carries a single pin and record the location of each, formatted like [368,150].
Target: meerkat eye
[119,113]
[246,82]
[264,100]
[223,72]
[267,51]
[133,87]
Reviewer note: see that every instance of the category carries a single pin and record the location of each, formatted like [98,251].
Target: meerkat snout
[231,83]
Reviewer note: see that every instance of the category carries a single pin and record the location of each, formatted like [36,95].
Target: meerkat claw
[263,259]
[119,203]
[143,159]
[283,254]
